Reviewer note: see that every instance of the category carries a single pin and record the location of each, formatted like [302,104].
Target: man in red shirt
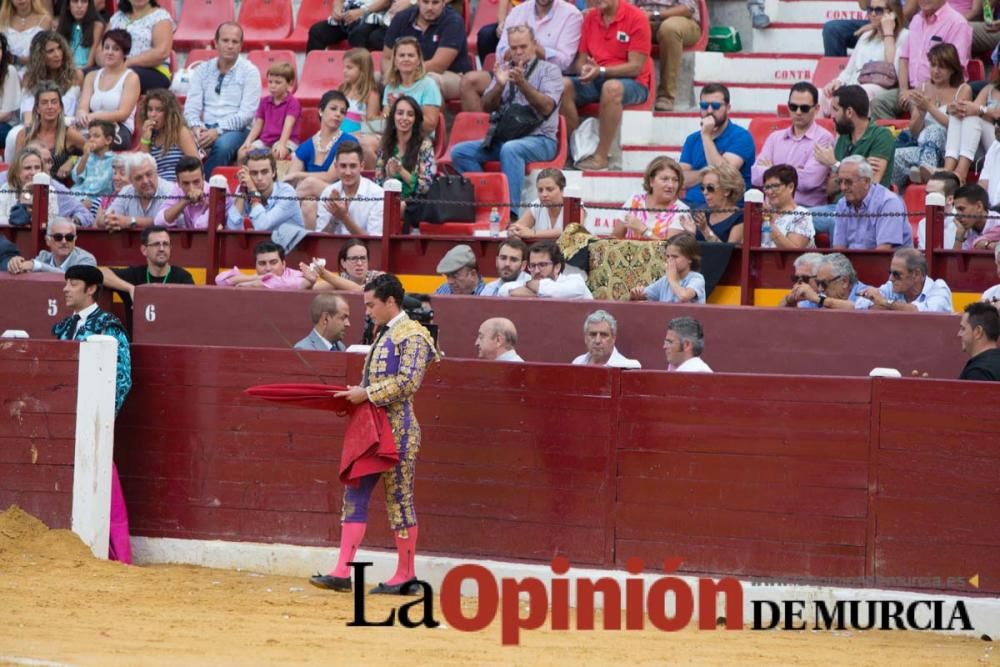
[613,67]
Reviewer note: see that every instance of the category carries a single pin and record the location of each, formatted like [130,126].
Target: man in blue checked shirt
[223,99]
[259,199]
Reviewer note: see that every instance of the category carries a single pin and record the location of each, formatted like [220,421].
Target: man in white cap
[461,272]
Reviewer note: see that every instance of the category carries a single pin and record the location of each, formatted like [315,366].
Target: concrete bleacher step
[814,11]
[671,129]
[605,186]
[759,98]
[635,158]
[754,68]
[789,38]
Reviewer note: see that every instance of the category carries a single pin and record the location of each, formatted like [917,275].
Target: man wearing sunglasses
[909,288]
[718,141]
[836,285]
[62,252]
[222,99]
[795,146]
[803,273]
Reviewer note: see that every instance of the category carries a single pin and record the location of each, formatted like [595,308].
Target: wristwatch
[132,223]
[656,13]
[822,300]
[603,71]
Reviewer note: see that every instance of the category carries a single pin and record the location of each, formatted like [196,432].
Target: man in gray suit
[331,318]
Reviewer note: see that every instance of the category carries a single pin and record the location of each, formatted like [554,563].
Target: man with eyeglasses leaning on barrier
[909,288]
[836,286]
[61,255]
[546,266]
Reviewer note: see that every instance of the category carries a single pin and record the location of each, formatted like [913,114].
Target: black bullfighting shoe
[408,587]
[342,584]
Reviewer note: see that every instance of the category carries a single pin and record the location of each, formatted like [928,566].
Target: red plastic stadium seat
[828,69]
[264,59]
[230,174]
[975,69]
[265,21]
[490,189]
[486,14]
[913,198]
[310,123]
[440,138]
[490,61]
[468,126]
[196,28]
[164,4]
[898,123]
[196,56]
[310,12]
[761,129]
[322,71]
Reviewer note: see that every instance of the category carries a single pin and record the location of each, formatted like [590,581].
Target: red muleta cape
[369,447]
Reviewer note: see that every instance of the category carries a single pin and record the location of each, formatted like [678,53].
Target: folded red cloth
[369,447]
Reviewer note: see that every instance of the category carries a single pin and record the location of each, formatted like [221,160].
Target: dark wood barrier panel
[37,427]
[34,302]
[747,475]
[231,316]
[937,457]
[739,340]
[496,476]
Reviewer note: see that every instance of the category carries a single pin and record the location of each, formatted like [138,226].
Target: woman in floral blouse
[662,184]
[791,225]
[405,154]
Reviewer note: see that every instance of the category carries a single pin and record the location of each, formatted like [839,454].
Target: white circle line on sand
[32,662]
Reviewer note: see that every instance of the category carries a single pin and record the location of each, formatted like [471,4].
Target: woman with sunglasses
[15,195]
[884,41]
[792,225]
[722,221]
[354,272]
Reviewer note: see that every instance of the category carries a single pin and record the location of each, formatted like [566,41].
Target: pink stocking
[406,548]
[351,535]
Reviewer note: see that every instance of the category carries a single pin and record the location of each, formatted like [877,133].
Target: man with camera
[529,89]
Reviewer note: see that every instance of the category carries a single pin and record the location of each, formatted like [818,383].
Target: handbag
[512,121]
[452,199]
[20,216]
[879,73]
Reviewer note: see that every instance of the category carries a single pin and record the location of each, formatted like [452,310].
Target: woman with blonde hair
[657,212]
[681,282]
[165,134]
[49,128]
[20,21]
[722,221]
[17,190]
[406,76]
[364,106]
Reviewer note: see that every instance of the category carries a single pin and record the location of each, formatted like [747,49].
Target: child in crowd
[82,27]
[92,174]
[279,115]
[364,103]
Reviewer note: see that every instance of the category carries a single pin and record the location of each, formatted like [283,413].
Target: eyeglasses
[896,275]
[69,238]
[845,181]
[877,11]
[705,105]
[710,188]
[771,186]
[796,278]
[158,244]
[356,258]
[218,84]
[539,265]
[804,108]
[823,284]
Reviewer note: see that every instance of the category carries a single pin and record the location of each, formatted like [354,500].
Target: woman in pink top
[662,184]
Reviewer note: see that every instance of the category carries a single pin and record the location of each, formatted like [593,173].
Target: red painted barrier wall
[824,480]
[37,427]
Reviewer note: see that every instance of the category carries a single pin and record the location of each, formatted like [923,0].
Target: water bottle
[765,232]
[494,222]
[988,11]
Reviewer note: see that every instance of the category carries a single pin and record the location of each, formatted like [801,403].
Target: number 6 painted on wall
[151,313]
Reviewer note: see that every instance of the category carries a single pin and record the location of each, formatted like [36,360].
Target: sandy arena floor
[60,606]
